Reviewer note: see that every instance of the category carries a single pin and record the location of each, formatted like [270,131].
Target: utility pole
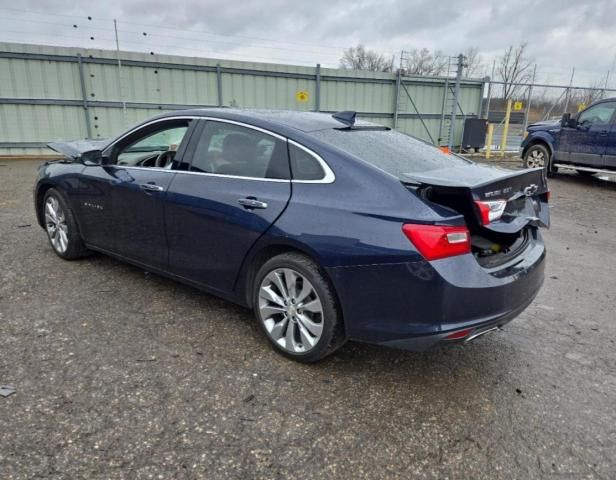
[456,95]
[117,41]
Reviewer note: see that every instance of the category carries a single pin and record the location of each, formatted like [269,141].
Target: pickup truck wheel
[539,156]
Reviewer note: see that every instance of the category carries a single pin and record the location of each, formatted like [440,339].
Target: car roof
[270,119]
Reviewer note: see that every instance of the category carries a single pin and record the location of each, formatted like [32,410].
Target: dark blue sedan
[330,229]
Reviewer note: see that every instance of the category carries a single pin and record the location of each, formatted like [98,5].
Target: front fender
[541,136]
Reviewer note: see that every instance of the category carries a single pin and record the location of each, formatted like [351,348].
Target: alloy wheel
[55,224]
[535,158]
[290,310]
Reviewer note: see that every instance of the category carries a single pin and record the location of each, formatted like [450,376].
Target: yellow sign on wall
[581,106]
[518,106]
[302,96]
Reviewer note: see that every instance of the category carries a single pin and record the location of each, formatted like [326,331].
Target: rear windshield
[392,151]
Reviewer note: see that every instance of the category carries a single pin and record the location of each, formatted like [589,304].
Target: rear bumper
[416,305]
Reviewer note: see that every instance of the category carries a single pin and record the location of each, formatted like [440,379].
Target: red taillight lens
[491,210]
[437,241]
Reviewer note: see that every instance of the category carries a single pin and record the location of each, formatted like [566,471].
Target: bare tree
[586,96]
[424,62]
[359,58]
[474,63]
[512,68]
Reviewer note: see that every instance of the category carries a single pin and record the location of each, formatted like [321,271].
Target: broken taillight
[491,210]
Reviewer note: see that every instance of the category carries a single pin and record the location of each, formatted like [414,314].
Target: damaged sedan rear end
[476,230]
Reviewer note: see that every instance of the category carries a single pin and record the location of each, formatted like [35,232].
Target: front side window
[229,149]
[156,147]
[598,115]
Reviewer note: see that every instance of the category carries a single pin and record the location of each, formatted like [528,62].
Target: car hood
[544,126]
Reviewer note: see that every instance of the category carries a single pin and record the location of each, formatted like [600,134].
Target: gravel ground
[123,374]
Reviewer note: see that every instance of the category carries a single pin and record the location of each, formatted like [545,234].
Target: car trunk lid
[460,188]
[521,196]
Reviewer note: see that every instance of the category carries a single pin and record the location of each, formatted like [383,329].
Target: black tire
[332,335]
[541,151]
[74,245]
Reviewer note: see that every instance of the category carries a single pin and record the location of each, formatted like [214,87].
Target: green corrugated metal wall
[42,99]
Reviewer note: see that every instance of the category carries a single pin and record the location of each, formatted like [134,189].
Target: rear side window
[391,151]
[228,149]
[304,166]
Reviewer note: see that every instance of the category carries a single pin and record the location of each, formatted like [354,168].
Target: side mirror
[92,158]
[567,121]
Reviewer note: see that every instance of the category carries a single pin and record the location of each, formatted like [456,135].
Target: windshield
[391,151]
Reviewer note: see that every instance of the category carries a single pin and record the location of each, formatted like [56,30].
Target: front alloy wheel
[55,224]
[536,158]
[61,227]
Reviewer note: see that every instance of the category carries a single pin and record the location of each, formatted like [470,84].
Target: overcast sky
[560,34]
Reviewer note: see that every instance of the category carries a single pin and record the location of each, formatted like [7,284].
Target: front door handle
[603,133]
[151,187]
[251,202]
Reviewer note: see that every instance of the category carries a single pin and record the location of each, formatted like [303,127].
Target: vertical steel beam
[317,89]
[219,84]
[569,91]
[84,96]
[443,104]
[529,98]
[454,108]
[480,106]
[397,97]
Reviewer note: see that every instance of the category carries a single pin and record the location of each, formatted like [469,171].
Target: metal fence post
[317,89]
[219,84]
[84,96]
[569,91]
[529,99]
[480,107]
[443,103]
[506,128]
[397,97]
[456,95]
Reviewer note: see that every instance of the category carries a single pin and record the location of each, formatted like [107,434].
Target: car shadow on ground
[484,361]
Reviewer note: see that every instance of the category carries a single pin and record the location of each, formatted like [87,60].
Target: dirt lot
[122,374]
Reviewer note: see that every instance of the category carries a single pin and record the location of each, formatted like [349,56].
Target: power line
[140,33]
[176,28]
[196,51]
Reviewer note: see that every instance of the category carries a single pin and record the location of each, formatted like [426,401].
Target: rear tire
[538,155]
[61,227]
[297,309]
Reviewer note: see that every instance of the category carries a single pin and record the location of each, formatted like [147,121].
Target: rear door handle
[251,202]
[603,133]
[151,187]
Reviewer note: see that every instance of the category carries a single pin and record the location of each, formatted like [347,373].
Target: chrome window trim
[328,178]
[238,177]
[151,122]
[329,174]
[158,169]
